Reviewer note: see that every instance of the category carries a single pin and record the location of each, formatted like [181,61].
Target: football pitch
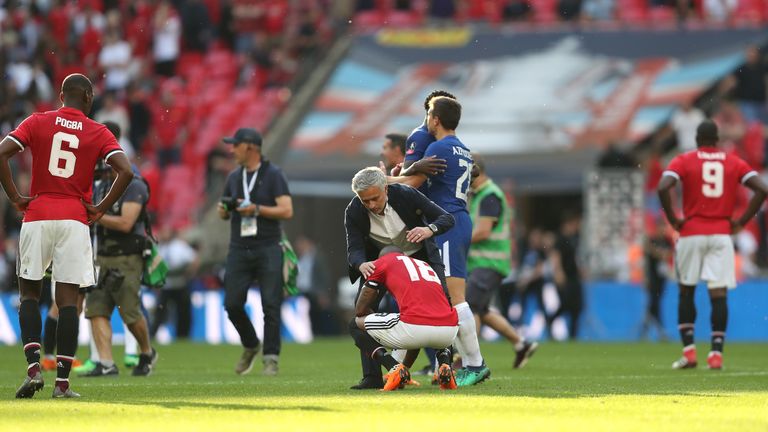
[565,386]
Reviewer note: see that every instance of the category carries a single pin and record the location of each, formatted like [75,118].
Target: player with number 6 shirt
[66,146]
[710,180]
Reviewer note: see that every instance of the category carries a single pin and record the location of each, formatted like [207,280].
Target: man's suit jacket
[414,209]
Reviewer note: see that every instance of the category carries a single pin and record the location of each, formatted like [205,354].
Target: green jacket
[495,251]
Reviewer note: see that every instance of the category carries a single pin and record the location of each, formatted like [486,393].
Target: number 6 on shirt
[57,154]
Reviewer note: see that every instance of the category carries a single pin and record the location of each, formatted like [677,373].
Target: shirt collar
[72,111]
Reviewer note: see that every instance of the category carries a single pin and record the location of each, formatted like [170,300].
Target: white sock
[520,344]
[460,349]
[131,344]
[468,336]
[398,354]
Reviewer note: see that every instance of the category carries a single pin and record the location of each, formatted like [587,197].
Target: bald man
[66,146]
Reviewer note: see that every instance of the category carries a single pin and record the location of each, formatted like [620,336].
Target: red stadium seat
[662,16]
[544,11]
[368,20]
[403,19]
[751,12]
[632,12]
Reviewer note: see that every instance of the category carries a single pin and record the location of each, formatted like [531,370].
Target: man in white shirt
[383,215]
[684,122]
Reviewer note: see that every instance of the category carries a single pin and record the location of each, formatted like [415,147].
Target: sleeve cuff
[113,152]
[671,174]
[748,176]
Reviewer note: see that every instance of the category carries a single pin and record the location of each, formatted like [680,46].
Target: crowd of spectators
[161,68]
[552,12]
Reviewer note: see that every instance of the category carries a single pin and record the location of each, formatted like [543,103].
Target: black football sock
[384,358]
[31,326]
[719,323]
[66,340]
[686,316]
[444,356]
[49,335]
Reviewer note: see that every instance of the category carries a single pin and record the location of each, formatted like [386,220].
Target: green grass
[594,387]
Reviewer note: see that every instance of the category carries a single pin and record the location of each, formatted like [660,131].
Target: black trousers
[371,369]
[244,265]
[181,300]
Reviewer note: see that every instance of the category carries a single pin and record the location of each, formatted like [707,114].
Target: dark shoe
[245,363]
[100,370]
[146,364]
[522,356]
[64,394]
[30,386]
[368,383]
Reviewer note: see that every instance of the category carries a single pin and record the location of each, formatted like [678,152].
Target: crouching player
[426,319]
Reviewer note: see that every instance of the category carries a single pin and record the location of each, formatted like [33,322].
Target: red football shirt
[65,146]
[416,288]
[710,179]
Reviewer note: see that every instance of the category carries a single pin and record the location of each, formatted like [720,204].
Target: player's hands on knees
[367,269]
[94,212]
[418,234]
[428,166]
[22,202]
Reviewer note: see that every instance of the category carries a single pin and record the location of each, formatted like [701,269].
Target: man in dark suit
[383,215]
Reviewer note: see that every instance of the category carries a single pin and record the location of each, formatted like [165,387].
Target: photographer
[255,200]
[120,243]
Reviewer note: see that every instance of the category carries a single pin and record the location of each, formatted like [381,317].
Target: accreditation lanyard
[248,186]
[248,225]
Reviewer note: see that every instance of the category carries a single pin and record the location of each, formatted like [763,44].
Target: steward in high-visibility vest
[489,258]
[495,251]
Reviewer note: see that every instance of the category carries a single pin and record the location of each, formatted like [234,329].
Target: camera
[229,203]
[112,280]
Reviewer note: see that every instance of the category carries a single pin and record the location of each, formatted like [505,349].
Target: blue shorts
[454,245]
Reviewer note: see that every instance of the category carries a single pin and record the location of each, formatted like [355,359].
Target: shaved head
[77,92]
[706,133]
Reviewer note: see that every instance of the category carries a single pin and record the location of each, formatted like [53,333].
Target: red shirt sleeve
[676,167]
[22,135]
[743,170]
[110,145]
[378,280]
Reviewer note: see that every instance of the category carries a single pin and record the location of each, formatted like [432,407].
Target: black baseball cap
[246,135]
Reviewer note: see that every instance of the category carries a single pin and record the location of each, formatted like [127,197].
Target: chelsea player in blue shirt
[420,138]
[449,191]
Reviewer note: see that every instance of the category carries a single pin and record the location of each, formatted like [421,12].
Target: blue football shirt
[417,143]
[449,189]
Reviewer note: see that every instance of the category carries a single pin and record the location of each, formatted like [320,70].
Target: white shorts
[392,333]
[65,243]
[708,258]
